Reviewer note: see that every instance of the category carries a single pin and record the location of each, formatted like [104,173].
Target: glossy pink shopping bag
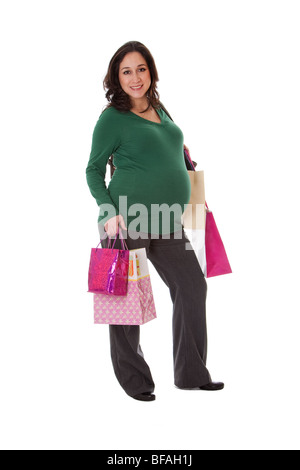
[108,270]
[217,262]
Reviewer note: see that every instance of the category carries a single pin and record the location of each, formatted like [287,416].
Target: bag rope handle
[124,246]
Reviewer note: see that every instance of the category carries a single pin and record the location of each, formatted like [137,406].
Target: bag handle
[188,157]
[124,246]
[206,206]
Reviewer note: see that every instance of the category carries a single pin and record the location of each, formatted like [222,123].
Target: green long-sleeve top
[150,170]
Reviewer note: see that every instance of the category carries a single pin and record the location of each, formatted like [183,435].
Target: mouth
[136,88]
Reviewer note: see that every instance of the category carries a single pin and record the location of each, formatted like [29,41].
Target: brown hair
[115,94]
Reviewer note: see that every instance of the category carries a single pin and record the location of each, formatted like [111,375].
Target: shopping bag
[137,307]
[201,229]
[194,217]
[217,262]
[108,270]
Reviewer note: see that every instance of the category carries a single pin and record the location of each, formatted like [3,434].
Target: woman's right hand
[112,225]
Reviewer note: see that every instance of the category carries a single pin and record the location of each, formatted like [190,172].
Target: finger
[122,223]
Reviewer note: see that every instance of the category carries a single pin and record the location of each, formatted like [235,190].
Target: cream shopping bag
[194,217]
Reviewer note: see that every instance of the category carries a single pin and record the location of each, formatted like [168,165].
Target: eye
[128,71]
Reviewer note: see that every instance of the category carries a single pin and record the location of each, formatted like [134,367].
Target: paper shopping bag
[194,217]
[201,229]
[217,262]
[137,307]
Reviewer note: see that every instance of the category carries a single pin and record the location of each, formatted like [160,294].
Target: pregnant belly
[160,187]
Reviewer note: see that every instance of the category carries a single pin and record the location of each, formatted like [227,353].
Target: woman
[150,173]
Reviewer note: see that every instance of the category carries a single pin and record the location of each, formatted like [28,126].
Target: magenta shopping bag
[217,262]
[108,271]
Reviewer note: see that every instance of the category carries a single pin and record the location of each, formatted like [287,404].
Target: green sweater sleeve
[105,142]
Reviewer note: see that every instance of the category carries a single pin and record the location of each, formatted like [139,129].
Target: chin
[136,95]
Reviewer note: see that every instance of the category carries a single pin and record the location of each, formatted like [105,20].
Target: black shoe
[213,387]
[147,396]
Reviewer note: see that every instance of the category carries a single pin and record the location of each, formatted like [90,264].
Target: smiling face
[135,77]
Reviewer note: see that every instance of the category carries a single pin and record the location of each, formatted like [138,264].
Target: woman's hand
[112,225]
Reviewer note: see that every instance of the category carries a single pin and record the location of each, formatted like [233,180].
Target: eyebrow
[130,67]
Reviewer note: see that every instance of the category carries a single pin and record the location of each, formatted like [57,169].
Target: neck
[140,104]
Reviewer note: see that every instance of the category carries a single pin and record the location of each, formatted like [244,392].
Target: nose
[135,78]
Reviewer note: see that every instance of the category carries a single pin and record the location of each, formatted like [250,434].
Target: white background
[229,74]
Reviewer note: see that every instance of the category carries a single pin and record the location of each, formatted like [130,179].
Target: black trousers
[180,270]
